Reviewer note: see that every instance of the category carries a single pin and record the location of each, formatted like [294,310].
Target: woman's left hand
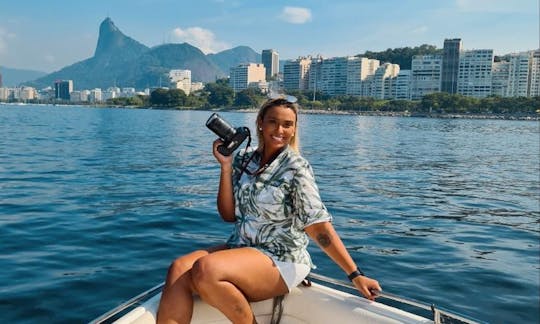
[367,286]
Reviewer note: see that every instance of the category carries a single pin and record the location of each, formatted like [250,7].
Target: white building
[95,95]
[5,94]
[247,75]
[500,78]
[519,69]
[474,75]
[534,85]
[128,92]
[332,79]
[401,89]
[383,81]
[180,79]
[196,86]
[359,69]
[296,74]
[426,73]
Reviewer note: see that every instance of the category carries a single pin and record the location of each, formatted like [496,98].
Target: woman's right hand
[222,159]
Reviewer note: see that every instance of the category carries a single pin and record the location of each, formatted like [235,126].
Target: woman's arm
[225,196]
[330,242]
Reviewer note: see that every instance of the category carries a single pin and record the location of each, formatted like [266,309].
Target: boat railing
[113,313]
[440,315]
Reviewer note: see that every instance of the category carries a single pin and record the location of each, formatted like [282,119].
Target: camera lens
[219,126]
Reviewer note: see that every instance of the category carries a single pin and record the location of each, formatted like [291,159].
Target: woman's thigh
[250,270]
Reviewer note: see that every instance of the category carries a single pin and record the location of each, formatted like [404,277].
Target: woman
[271,196]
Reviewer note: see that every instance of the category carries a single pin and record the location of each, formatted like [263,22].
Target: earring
[260,128]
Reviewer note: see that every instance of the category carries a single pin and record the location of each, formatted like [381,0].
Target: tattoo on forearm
[324,240]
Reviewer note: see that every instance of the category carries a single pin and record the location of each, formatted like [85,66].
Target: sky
[49,35]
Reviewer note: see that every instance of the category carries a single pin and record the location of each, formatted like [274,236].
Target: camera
[232,137]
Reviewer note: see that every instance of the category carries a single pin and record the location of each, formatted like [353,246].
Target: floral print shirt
[274,207]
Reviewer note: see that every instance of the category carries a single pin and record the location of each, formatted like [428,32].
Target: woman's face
[278,127]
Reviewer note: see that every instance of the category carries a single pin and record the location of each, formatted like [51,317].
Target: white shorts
[292,273]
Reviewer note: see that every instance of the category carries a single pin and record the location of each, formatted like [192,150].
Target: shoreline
[402,114]
[316,112]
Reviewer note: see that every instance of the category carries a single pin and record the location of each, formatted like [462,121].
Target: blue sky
[48,35]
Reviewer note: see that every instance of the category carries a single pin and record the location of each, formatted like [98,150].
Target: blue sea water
[96,202]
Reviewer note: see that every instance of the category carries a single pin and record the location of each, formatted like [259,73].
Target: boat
[319,300]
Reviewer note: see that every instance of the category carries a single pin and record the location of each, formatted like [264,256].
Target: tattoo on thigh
[324,240]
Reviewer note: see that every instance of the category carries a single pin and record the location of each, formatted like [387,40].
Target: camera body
[232,137]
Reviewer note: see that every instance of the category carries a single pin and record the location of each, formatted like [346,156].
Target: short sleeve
[306,199]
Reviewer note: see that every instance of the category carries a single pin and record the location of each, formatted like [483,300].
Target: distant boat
[319,303]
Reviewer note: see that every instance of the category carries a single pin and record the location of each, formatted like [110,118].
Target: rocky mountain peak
[112,39]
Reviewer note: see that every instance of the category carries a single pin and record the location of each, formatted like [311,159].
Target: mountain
[13,77]
[234,56]
[122,61]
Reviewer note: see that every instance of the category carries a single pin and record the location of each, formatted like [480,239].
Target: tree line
[219,94]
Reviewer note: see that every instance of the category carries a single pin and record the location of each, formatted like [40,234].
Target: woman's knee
[183,264]
[204,273]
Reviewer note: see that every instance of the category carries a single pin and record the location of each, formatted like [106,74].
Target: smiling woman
[270,195]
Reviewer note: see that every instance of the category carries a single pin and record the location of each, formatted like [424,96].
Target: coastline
[314,112]
[402,114]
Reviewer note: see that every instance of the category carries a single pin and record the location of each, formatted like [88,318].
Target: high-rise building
[180,79]
[1,84]
[475,68]
[333,76]
[247,75]
[358,71]
[425,75]
[500,78]
[383,81]
[450,65]
[518,85]
[534,84]
[270,60]
[402,89]
[296,74]
[62,89]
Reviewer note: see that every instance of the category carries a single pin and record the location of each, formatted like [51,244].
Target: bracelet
[355,274]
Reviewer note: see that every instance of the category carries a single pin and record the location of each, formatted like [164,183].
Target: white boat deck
[314,305]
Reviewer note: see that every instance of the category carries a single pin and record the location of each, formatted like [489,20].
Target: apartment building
[519,68]
[180,79]
[296,74]
[534,84]
[383,80]
[402,89]
[247,75]
[359,69]
[426,72]
[474,75]
[500,78]
[270,60]
[333,76]
[450,65]
[62,89]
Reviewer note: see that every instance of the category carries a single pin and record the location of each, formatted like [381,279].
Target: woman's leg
[176,304]
[230,279]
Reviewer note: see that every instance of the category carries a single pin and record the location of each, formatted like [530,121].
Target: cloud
[296,15]
[201,38]
[5,36]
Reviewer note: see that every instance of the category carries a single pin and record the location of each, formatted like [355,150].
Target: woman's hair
[270,103]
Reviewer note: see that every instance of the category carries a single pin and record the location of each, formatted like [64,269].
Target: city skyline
[303,28]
